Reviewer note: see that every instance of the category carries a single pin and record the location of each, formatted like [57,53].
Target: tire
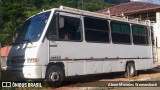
[55,76]
[130,70]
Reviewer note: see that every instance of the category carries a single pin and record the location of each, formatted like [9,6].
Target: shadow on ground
[78,80]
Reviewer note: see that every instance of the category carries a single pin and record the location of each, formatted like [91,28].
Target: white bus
[63,42]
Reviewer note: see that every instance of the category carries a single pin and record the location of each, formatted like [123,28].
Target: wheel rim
[54,76]
[130,70]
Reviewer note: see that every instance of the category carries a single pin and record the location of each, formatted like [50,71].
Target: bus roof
[99,15]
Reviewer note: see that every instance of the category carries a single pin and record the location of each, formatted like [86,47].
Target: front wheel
[55,76]
[130,70]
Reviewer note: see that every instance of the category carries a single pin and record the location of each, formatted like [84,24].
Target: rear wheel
[130,70]
[55,76]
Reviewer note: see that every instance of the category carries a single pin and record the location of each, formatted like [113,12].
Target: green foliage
[14,12]
[95,6]
[11,15]
[117,1]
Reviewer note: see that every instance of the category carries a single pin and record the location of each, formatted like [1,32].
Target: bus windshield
[32,29]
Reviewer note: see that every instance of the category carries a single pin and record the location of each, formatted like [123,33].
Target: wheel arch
[130,61]
[60,64]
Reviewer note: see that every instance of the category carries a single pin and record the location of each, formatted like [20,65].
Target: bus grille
[17,60]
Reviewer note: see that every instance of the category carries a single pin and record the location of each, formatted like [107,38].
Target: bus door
[154,46]
[158,48]
[67,43]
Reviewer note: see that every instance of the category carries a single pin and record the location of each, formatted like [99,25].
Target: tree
[14,12]
[11,15]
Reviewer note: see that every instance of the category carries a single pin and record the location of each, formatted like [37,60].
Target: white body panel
[114,52]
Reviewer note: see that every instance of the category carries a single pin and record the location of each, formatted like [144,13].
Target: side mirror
[52,37]
[61,22]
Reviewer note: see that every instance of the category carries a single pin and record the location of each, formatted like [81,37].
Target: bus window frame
[108,22]
[57,27]
[122,33]
[148,34]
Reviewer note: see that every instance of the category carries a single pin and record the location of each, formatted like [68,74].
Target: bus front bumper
[26,72]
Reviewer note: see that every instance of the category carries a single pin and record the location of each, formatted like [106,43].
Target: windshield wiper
[21,42]
[27,40]
[17,42]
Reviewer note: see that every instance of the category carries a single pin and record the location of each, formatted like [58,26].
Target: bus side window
[140,35]
[96,30]
[69,28]
[120,32]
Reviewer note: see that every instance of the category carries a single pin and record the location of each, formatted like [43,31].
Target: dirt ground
[100,80]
